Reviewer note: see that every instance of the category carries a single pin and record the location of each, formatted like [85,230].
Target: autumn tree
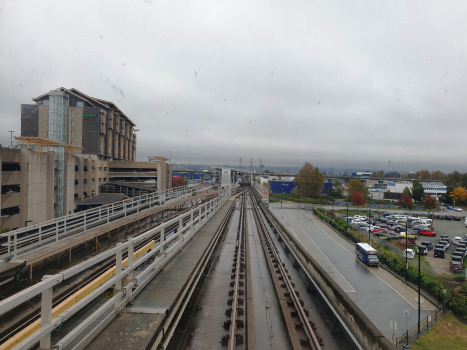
[380,174]
[405,201]
[309,182]
[417,191]
[438,175]
[355,185]
[459,195]
[430,204]
[357,199]
[177,181]
[404,176]
[407,192]
[423,175]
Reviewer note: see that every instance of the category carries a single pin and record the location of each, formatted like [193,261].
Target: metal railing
[425,324]
[156,254]
[263,190]
[19,242]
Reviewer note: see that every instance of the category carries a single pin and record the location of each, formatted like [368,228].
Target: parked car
[463,250]
[456,266]
[410,253]
[427,244]
[399,228]
[456,218]
[439,217]
[458,254]
[427,233]
[445,243]
[457,209]
[447,217]
[444,238]
[448,207]
[410,235]
[422,250]
[455,240]
[389,235]
[440,246]
[439,253]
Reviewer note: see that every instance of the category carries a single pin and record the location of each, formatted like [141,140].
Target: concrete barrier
[357,322]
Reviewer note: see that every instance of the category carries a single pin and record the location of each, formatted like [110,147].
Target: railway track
[267,298]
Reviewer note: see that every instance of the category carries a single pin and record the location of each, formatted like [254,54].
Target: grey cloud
[336,83]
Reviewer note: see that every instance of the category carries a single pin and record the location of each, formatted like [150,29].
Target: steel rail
[301,312]
[233,319]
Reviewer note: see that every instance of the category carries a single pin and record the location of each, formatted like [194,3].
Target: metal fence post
[162,240]
[84,221]
[9,239]
[64,226]
[191,220]
[40,234]
[118,270]
[124,209]
[130,259]
[56,231]
[46,313]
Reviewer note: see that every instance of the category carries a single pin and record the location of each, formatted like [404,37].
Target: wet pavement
[380,295]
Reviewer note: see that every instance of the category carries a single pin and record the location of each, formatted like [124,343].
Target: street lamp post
[347,219]
[170,157]
[419,308]
[406,247]
[369,219]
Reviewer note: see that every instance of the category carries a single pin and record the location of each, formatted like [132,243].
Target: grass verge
[447,334]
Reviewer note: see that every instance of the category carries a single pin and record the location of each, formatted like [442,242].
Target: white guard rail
[263,190]
[165,247]
[18,242]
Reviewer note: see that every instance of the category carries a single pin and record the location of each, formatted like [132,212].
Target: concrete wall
[359,324]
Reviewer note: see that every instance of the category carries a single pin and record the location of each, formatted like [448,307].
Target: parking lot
[444,227]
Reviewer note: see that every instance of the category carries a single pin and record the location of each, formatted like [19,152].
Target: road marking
[306,235]
[363,263]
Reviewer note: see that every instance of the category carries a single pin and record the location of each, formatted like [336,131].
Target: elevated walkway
[137,220]
[142,323]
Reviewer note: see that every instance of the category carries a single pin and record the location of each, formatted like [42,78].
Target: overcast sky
[371,84]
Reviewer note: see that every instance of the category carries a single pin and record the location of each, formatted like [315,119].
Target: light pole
[347,219]
[369,231]
[406,263]
[170,152]
[11,137]
[419,309]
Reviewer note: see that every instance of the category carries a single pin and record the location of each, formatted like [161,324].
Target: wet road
[381,296]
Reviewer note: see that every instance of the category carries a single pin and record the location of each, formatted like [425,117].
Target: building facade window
[72,134]
[80,104]
[72,114]
[72,123]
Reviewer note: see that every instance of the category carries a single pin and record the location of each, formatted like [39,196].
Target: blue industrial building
[287,186]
